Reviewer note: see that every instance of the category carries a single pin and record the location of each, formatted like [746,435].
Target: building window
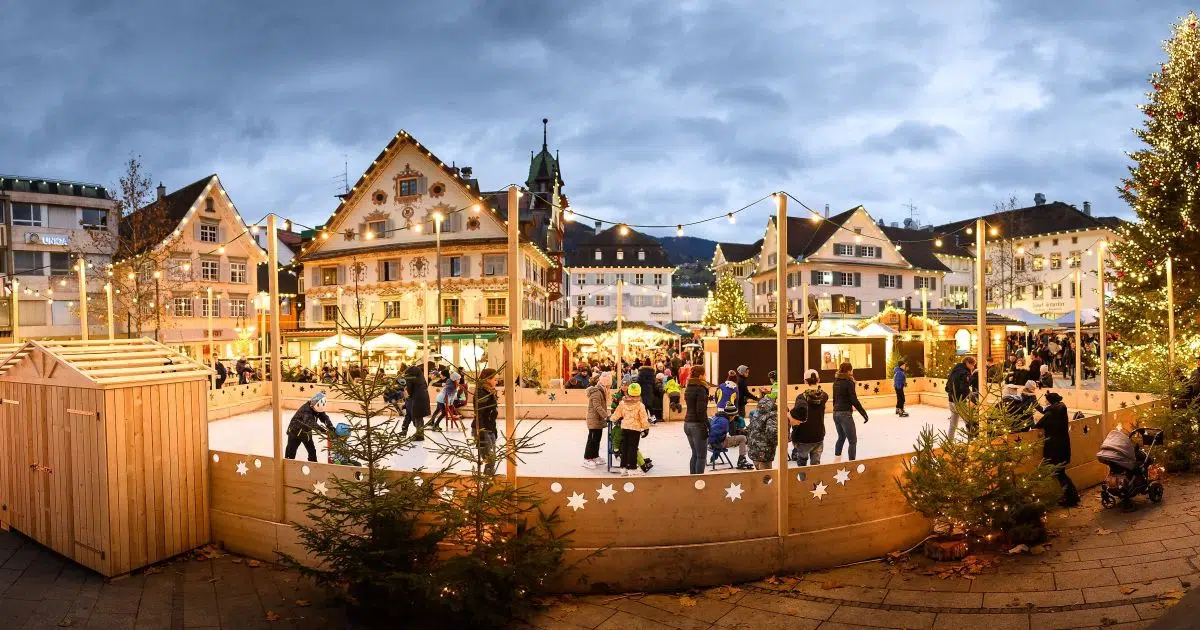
[641,254]
[987,267]
[620,254]
[60,263]
[823,278]
[237,307]
[208,232]
[989,295]
[889,281]
[183,307]
[497,307]
[582,279]
[658,279]
[376,229]
[237,272]
[1056,290]
[1073,259]
[1056,260]
[1074,240]
[450,310]
[601,300]
[452,266]
[94,219]
[391,309]
[771,260]
[206,305]
[495,265]
[1037,291]
[1039,263]
[639,278]
[26,214]
[1054,242]
[868,251]
[329,276]
[1037,244]
[329,312]
[1018,264]
[390,270]
[407,187]
[27,263]
[1020,292]
[597,254]
[842,249]
[210,270]
[209,206]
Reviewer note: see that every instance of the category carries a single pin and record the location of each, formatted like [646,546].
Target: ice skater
[899,381]
[308,418]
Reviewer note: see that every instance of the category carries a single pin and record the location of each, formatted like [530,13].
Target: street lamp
[437,230]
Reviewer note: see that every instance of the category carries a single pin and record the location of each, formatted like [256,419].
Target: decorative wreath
[349,234]
[379,197]
[408,212]
[437,189]
[473,223]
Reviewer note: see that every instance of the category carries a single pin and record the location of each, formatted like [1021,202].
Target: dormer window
[208,205]
[620,254]
[598,256]
[641,254]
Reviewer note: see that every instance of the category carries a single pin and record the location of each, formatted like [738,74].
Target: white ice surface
[563,441]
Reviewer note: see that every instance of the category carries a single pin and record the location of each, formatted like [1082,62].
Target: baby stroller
[1131,471]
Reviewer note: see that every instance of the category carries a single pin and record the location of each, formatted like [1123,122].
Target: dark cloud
[660,110]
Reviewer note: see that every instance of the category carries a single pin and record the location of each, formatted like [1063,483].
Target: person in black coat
[958,391]
[695,419]
[222,373]
[744,396]
[645,378]
[308,418]
[1056,449]
[416,408]
[487,409]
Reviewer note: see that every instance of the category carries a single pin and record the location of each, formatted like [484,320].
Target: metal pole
[514,326]
[1103,332]
[112,329]
[212,349]
[804,310]
[337,329]
[83,314]
[925,329]
[781,364]
[425,331]
[1078,337]
[981,306]
[437,231]
[276,377]
[16,308]
[620,329]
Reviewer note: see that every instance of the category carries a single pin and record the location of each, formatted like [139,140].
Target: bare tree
[1008,267]
[142,273]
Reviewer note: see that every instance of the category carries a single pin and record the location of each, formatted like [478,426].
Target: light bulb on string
[678,230]
[417,227]
[569,215]
[324,235]
[624,230]
[970,230]
[994,232]
[731,219]
[254,230]
[221,249]
[937,242]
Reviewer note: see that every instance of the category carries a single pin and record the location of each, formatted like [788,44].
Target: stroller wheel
[1155,493]
[1107,499]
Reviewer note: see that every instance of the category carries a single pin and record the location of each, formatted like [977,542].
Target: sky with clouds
[662,111]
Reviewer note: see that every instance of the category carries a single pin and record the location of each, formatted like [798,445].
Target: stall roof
[1088,317]
[967,317]
[100,363]
[1027,317]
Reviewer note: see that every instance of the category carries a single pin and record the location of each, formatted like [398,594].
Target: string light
[970,230]
[254,230]
[937,242]
[731,219]
[994,232]
[678,230]
[568,216]
[623,229]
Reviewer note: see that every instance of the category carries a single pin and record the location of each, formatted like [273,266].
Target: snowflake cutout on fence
[818,491]
[552,396]
[446,493]
[734,491]
[606,493]
[842,476]
[319,488]
[576,501]
[242,469]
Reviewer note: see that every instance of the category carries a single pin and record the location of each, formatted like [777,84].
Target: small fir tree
[727,305]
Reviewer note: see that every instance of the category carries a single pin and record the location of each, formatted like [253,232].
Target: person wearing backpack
[719,435]
[958,391]
[764,434]
[899,381]
[807,419]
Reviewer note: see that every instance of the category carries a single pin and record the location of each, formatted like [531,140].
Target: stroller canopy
[1118,450]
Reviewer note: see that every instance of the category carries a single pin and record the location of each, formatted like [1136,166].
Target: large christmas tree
[727,305]
[1162,189]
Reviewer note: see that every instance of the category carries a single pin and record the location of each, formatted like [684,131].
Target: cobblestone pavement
[40,589]
[1102,568]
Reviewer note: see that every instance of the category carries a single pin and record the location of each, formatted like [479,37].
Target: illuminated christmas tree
[727,305]
[1162,190]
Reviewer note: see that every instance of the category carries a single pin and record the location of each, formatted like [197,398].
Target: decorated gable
[859,240]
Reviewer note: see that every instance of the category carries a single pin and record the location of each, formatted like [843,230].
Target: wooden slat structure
[103,450]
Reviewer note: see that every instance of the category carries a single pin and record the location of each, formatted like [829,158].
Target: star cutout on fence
[734,491]
[842,476]
[446,493]
[606,493]
[818,491]
[242,468]
[576,501]
[319,488]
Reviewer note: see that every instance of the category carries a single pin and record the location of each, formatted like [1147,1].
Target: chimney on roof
[1039,199]
[826,211]
[599,227]
[162,191]
[466,171]
[1087,208]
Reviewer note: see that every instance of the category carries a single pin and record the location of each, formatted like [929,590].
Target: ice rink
[562,441]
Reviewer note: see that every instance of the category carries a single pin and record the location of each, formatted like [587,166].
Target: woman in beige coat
[597,419]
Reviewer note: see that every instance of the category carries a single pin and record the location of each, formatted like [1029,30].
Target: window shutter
[882,280]
[466,266]
[932,283]
[341,274]
[879,252]
[196,227]
[316,277]
[860,251]
[380,274]
[899,281]
[857,279]
[390,227]
[816,277]
[220,235]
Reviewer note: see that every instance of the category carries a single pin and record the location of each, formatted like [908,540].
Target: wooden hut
[103,450]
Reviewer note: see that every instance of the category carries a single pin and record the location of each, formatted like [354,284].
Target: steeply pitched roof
[917,247]
[1048,218]
[609,241]
[174,206]
[740,252]
[805,237]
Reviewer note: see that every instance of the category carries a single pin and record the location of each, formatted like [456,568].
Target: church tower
[548,205]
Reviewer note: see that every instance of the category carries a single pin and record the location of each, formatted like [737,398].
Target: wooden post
[16,308]
[925,329]
[212,350]
[337,330]
[981,306]
[1170,317]
[620,331]
[511,342]
[1103,332]
[1078,337]
[804,310]
[81,267]
[108,293]
[781,363]
[425,330]
[276,410]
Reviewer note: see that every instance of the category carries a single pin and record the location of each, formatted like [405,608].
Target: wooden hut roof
[102,363]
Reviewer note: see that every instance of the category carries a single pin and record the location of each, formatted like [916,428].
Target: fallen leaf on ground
[236,561]
[271,616]
[253,563]
[1018,549]
[1128,590]
[722,592]
[830,585]
[687,602]
[1175,595]
[1103,532]
[1037,550]
[771,579]
[566,608]
[1107,621]
[303,603]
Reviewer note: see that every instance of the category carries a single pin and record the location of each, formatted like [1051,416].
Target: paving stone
[22,558]
[1070,580]
[868,576]
[200,606]
[1154,570]
[957,621]
[657,615]
[846,593]
[1115,593]
[1028,582]
[1083,618]
[1117,551]
[626,621]
[928,583]
[108,621]
[744,617]
[1150,610]
[704,609]
[934,598]
[1043,599]
[885,618]
[48,613]
[119,601]
[587,615]
[1173,543]
[789,606]
[1154,533]
[1154,557]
